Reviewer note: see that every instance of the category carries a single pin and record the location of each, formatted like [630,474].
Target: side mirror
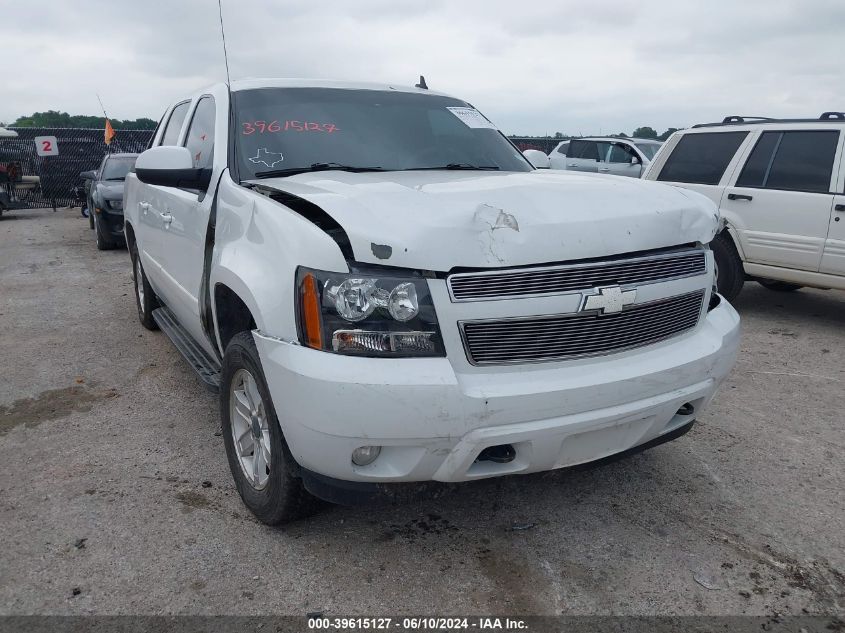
[635,160]
[171,166]
[537,158]
[88,175]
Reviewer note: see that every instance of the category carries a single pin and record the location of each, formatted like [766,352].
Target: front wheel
[103,243]
[730,275]
[145,298]
[779,286]
[264,471]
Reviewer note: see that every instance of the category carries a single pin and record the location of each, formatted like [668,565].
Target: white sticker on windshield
[472,118]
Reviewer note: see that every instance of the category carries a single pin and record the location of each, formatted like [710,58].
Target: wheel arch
[234,308]
[732,231]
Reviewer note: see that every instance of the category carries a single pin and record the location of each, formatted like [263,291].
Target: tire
[103,242]
[730,275]
[779,286]
[145,298]
[90,217]
[280,497]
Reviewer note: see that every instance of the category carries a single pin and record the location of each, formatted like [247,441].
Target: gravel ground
[115,495]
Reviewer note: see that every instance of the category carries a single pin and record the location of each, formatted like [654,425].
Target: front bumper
[433,422]
[112,221]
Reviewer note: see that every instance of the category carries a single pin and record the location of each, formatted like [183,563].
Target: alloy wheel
[250,428]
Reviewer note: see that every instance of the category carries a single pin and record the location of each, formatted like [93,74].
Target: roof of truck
[252,84]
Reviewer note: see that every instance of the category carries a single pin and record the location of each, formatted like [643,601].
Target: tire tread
[731,273]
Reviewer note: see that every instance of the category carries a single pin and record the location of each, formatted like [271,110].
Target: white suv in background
[616,156]
[779,186]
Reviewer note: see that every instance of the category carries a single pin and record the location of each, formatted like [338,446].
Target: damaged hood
[439,220]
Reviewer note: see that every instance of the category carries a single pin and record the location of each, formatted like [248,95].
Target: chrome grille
[559,337]
[574,277]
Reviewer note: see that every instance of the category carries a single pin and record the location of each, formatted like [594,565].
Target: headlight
[117,205]
[367,314]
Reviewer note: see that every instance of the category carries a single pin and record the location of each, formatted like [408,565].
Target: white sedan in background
[617,156]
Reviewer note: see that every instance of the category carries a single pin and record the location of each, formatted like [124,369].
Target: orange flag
[109,132]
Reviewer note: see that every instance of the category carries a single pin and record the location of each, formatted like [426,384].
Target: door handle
[573,164]
[739,196]
[166,217]
[604,168]
[839,207]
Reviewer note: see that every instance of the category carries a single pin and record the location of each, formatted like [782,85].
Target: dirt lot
[115,496]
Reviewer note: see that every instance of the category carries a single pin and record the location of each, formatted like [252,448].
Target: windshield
[117,168]
[649,149]
[297,128]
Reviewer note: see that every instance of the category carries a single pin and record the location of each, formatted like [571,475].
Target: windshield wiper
[110,179]
[466,166]
[292,171]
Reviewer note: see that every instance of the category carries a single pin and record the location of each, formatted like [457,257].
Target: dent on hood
[698,222]
[489,219]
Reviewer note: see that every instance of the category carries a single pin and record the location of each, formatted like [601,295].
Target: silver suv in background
[605,155]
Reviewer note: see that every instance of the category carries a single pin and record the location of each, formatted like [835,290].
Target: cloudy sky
[535,67]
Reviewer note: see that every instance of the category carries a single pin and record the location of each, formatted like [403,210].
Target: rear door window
[701,158]
[563,148]
[174,124]
[799,160]
[586,150]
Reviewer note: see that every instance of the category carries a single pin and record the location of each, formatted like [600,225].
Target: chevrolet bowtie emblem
[608,300]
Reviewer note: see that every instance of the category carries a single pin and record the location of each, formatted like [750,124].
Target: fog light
[365,455]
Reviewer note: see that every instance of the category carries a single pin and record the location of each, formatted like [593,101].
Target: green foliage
[644,132]
[54,118]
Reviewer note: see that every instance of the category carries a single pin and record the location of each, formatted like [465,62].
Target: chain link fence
[57,177]
[49,181]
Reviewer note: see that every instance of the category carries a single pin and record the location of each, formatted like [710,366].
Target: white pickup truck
[383,289]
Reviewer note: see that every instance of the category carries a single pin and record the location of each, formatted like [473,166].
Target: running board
[207,368]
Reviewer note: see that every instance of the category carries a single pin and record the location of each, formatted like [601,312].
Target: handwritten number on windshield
[261,127]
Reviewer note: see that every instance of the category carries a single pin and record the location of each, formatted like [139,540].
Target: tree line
[54,118]
[640,132]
